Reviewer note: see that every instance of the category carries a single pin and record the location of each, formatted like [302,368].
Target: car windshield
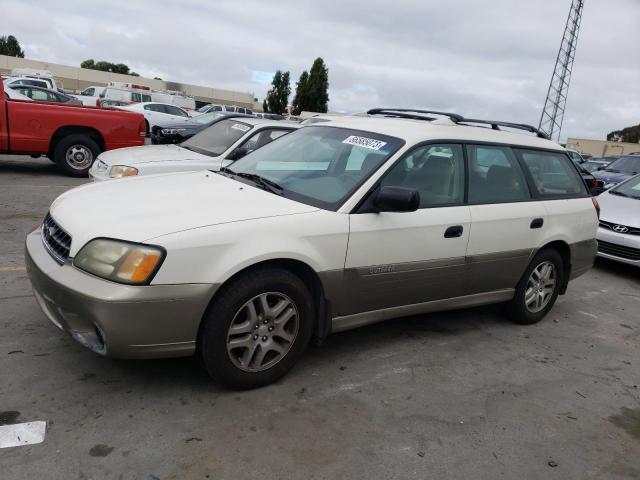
[630,188]
[206,117]
[318,165]
[591,166]
[628,165]
[216,139]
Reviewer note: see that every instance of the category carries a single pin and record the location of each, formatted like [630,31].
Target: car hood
[141,208]
[619,210]
[611,177]
[149,153]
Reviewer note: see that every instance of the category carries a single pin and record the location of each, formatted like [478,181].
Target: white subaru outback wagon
[331,227]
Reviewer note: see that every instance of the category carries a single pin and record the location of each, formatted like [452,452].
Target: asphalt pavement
[455,395]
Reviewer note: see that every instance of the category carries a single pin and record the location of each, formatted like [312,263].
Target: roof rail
[455,118]
[496,124]
[401,112]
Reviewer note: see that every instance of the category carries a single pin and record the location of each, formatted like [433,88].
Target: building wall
[75,78]
[601,148]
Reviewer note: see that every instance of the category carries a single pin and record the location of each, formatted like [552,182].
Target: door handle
[537,223]
[453,232]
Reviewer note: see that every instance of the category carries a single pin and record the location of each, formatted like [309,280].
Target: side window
[52,97]
[175,111]
[261,138]
[152,107]
[40,95]
[89,92]
[135,97]
[145,98]
[552,174]
[436,171]
[495,175]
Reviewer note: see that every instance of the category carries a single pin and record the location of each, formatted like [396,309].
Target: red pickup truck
[71,136]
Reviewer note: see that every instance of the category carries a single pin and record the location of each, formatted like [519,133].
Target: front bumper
[620,247]
[99,171]
[116,320]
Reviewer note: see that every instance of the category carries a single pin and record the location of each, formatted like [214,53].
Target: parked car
[40,94]
[269,116]
[619,170]
[328,228]
[90,96]
[70,135]
[212,107]
[158,114]
[595,164]
[619,229]
[575,156]
[179,132]
[32,77]
[595,186]
[11,94]
[213,148]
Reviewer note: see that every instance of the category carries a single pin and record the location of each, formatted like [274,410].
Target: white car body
[158,118]
[364,264]
[156,159]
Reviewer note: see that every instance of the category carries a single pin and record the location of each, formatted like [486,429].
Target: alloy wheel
[262,332]
[540,287]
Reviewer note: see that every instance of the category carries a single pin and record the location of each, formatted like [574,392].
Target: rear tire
[256,329]
[75,154]
[538,288]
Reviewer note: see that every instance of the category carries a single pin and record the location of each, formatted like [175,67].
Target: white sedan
[211,149]
[160,114]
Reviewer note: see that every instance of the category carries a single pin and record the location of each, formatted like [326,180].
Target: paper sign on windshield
[365,142]
[241,127]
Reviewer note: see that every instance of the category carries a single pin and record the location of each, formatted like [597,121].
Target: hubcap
[262,332]
[79,157]
[540,287]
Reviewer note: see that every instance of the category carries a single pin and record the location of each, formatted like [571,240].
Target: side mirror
[397,199]
[239,152]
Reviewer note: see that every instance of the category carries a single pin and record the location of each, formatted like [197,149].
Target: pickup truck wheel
[75,154]
[257,329]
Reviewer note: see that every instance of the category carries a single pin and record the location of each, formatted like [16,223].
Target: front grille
[612,227]
[55,239]
[621,251]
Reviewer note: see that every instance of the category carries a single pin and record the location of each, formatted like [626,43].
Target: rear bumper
[116,320]
[619,247]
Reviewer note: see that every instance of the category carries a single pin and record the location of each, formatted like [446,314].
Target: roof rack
[406,113]
[455,118]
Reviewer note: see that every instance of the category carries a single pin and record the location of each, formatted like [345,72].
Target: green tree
[301,99]
[278,95]
[108,67]
[265,107]
[317,87]
[10,46]
[629,134]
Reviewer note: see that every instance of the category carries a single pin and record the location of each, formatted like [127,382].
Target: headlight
[119,171]
[171,131]
[118,261]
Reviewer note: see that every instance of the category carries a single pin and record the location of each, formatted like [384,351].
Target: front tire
[256,329]
[75,154]
[538,288]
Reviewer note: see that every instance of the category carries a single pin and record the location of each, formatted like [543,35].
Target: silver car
[619,229]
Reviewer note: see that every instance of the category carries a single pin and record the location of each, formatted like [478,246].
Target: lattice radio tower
[553,113]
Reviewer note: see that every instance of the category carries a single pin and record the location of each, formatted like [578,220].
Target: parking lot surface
[462,394]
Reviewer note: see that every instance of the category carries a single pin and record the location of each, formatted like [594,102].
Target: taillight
[596,205]
[143,129]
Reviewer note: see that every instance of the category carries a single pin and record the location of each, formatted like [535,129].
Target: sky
[480,58]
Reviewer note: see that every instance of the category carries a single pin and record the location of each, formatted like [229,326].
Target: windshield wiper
[265,183]
[621,194]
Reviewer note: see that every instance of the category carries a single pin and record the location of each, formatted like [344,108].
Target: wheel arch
[67,130]
[563,248]
[322,320]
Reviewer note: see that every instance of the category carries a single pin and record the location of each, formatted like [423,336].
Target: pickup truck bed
[71,136]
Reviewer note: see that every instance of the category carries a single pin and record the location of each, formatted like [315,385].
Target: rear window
[553,175]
